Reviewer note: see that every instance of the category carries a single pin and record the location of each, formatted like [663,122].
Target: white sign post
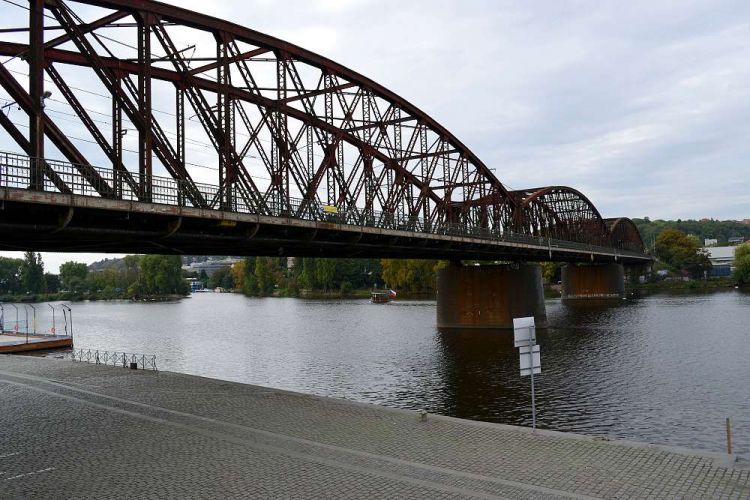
[524,337]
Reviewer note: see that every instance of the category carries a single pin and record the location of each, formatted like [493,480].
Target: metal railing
[16,172]
[20,324]
[123,359]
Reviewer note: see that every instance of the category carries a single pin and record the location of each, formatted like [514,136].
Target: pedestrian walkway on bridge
[74,430]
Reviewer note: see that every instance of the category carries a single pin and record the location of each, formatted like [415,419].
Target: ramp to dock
[11,342]
[80,430]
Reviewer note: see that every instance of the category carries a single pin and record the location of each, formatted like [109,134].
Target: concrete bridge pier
[593,281]
[489,296]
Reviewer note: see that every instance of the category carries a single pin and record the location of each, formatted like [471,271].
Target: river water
[665,369]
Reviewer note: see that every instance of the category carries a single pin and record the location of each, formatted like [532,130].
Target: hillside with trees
[701,229]
[134,277]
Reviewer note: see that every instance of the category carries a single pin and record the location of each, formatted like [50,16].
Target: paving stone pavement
[72,430]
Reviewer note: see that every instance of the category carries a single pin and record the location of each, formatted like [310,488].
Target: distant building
[195,284]
[722,260]
[746,221]
[211,266]
[710,242]
[736,240]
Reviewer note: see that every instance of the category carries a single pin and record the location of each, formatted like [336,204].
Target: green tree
[549,270]
[265,275]
[416,276]
[53,282]
[161,275]
[203,277]
[132,268]
[307,275]
[32,273]
[682,252]
[325,272]
[98,281]
[222,278]
[10,275]
[250,282]
[742,264]
[73,276]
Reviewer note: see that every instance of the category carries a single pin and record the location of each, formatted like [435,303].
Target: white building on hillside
[722,260]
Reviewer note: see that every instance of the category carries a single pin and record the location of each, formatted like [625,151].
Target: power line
[192,141]
[89,141]
[95,35]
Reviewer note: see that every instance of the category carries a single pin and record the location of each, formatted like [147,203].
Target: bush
[742,264]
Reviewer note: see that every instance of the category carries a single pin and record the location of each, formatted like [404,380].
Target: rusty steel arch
[625,234]
[559,212]
[289,132]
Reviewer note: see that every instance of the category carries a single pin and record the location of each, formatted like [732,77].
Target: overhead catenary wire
[98,37]
[113,40]
[167,113]
[91,141]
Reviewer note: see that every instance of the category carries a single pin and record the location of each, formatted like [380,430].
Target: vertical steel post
[729,436]
[180,129]
[425,170]
[448,190]
[310,170]
[33,319]
[36,90]
[225,119]
[281,178]
[16,308]
[54,330]
[65,318]
[330,176]
[369,181]
[145,139]
[533,395]
[69,310]
[117,134]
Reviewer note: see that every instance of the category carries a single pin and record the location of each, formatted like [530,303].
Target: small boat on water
[382,296]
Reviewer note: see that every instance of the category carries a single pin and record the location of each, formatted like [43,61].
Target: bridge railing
[16,172]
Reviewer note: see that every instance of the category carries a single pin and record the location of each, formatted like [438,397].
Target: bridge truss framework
[291,134]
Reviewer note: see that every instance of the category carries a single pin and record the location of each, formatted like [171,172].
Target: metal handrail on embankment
[124,359]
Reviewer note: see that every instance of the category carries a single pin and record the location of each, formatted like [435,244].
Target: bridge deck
[81,430]
[34,220]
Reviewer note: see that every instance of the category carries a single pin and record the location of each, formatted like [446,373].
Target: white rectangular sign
[529,355]
[524,331]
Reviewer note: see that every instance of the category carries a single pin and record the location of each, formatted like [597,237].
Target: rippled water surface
[662,369]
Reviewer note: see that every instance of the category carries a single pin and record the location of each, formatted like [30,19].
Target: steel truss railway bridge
[296,154]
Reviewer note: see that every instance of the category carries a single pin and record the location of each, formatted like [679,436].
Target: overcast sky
[641,105]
